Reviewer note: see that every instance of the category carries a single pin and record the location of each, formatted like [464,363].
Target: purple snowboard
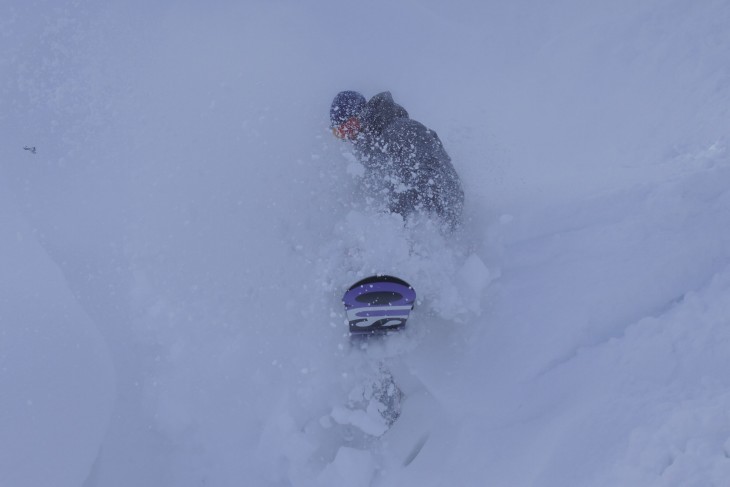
[378,304]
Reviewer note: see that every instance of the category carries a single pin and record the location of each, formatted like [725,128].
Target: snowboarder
[406,164]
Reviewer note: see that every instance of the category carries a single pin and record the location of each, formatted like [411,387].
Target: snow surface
[174,254]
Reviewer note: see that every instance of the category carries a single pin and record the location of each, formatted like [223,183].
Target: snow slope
[55,370]
[187,227]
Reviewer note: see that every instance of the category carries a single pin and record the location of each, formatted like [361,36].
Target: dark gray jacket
[406,163]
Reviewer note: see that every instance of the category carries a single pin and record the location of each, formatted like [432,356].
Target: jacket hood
[380,111]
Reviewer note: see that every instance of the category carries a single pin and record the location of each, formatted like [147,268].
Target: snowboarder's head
[344,112]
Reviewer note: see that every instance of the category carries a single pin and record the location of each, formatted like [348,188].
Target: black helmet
[347,104]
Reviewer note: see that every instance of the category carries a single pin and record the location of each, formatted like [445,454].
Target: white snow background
[173,256]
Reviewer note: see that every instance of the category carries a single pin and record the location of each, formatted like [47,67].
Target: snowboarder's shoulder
[405,129]
[403,124]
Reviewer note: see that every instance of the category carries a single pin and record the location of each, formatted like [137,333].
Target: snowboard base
[378,304]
